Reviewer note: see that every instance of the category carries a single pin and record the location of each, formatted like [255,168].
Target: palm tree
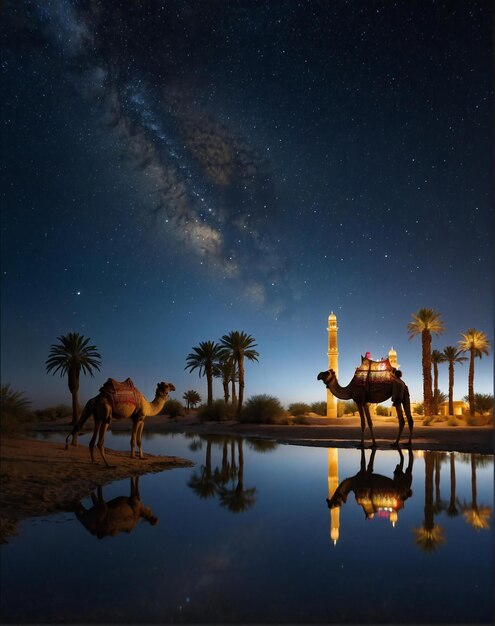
[425,322]
[237,499]
[227,372]
[452,355]
[70,356]
[238,345]
[192,398]
[205,357]
[436,358]
[476,343]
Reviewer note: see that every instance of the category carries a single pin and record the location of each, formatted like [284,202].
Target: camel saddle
[374,372]
[120,392]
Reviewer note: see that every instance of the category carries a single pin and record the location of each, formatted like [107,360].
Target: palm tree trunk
[471,383]
[225,383]
[234,396]
[209,385]
[73,382]
[429,514]
[241,386]
[452,510]
[451,388]
[426,362]
[435,388]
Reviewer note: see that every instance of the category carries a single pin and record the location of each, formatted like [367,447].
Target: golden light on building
[333,361]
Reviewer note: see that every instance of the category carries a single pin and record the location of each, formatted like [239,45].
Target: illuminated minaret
[392,358]
[333,483]
[333,361]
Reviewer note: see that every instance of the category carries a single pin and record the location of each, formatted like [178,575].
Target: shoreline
[39,477]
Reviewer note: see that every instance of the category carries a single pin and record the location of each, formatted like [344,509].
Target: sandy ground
[40,477]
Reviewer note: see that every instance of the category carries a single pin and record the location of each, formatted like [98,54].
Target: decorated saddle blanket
[374,372]
[120,392]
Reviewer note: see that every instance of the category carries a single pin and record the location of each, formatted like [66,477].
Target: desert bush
[382,410]
[419,409]
[452,421]
[299,408]
[320,408]
[350,407]
[478,420]
[483,402]
[428,420]
[217,411]
[300,419]
[53,412]
[15,410]
[340,409]
[173,408]
[263,409]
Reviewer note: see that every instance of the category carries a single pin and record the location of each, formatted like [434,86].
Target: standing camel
[119,401]
[364,389]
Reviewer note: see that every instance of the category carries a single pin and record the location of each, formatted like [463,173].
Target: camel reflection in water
[119,515]
[375,493]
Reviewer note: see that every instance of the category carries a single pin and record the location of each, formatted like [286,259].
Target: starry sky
[174,170]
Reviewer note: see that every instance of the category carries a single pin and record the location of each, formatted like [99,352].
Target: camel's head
[326,377]
[163,389]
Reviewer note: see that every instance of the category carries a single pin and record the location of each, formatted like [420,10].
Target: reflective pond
[260,532]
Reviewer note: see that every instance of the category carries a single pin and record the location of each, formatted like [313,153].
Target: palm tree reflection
[226,481]
[430,536]
[477,516]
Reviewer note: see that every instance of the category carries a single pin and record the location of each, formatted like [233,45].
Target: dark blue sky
[176,170]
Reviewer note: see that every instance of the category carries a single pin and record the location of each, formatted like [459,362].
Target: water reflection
[374,493]
[119,515]
[226,480]
[385,496]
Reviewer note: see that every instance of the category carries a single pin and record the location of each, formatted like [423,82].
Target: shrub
[452,421]
[382,410]
[263,409]
[218,411]
[14,409]
[300,419]
[419,409]
[173,408]
[320,408]
[53,412]
[299,408]
[428,420]
[350,407]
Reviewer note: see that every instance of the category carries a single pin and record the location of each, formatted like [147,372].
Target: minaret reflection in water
[375,493]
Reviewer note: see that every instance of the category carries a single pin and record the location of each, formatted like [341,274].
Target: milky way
[205,165]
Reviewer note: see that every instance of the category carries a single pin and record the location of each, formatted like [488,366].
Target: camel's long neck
[153,408]
[343,393]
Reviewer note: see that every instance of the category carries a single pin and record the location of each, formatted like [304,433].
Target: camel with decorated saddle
[119,400]
[375,382]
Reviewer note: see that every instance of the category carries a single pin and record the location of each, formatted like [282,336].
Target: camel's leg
[135,424]
[101,441]
[370,423]
[139,436]
[361,415]
[93,440]
[402,422]
[406,402]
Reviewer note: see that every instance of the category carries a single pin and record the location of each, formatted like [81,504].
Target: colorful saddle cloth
[374,372]
[120,392]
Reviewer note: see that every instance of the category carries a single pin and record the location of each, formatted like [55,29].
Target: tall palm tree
[70,356]
[227,372]
[192,398]
[425,322]
[452,355]
[476,343]
[436,358]
[238,345]
[205,358]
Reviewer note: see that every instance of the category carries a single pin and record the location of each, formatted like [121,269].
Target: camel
[121,514]
[374,492]
[362,391]
[119,401]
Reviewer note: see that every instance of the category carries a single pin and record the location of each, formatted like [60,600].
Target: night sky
[175,170]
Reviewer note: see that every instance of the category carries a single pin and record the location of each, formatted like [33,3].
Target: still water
[248,535]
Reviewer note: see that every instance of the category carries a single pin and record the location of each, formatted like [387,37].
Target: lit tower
[392,358]
[333,361]
[333,483]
